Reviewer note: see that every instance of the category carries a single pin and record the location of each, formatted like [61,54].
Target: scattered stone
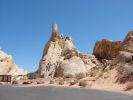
[51,82]
[15,82]
[61,82]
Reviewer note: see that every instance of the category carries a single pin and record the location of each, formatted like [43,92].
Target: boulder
[73,66]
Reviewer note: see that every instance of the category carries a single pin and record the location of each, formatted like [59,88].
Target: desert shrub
[51,82]
[120,69]
[129,86]
[61,82]
[125,78]
[27,82]
[83,83]
[80,75]
[69,76]
[73,82]
[33,75]
[40,82]
[14,82]
[125,74]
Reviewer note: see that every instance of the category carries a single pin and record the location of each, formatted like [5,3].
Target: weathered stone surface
[8,67]
[73,66]
[57,53]
[125,56]
[106,49]
[128,42]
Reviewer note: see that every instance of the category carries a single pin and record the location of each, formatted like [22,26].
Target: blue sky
[25,25]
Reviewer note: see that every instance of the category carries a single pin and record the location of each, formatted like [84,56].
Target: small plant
[83,83]
[80,75]
[33,75]
[69,76]
[61,82]
[51,82]
[40,82]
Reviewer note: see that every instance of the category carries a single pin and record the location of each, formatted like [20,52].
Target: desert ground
[17,92]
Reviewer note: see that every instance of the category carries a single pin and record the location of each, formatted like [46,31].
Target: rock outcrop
[61,56]
[106,49]
[128,43]
[126,53]
[8,67]
[110,65]
[122,64]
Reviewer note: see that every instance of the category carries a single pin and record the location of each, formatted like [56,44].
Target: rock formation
[128,42]
[61,56]
[8,67]
[106,49]
[126,53]
[110,65]
[122,64]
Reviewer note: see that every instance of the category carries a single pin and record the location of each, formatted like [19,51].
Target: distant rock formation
[106,49]
[8,67]
[61,56]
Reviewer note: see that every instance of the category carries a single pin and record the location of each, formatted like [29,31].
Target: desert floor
[51,92]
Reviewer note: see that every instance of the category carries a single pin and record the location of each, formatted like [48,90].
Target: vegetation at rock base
[33,75]
[83,83]
[80,75]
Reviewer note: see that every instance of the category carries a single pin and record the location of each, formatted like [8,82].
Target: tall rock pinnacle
[54,30]
[60,57]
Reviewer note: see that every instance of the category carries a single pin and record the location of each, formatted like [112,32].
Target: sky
[25,25]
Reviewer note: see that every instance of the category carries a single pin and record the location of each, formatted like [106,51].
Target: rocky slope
[8,67]
[110,66]
[116,73]
[61,58]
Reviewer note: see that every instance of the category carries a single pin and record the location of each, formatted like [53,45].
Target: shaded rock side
[106,49]
[8,67]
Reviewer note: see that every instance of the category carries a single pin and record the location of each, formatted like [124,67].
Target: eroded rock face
[125,56]
[57,55]
[128,42]
[106,49]
[73,66]
[8,67]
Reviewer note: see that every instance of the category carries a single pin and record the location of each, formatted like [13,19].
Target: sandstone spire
[57,55]
[54,30]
